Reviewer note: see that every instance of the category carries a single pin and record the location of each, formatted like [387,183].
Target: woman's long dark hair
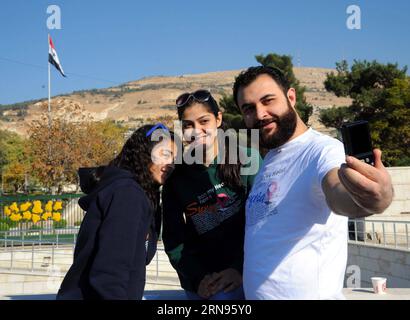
[135,157]
[228,173]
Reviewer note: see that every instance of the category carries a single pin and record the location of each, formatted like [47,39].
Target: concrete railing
[54,258]
[35,256]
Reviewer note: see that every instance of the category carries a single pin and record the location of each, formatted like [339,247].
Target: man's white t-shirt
[295,247]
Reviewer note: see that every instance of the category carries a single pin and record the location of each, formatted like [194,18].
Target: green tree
[335,117]
[227,102]
[284,63]
[234,121]
[380,94]
[232,116]
[392,130]
[14,161]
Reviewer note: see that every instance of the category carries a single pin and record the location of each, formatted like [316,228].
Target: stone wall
[400,207]
[377,261]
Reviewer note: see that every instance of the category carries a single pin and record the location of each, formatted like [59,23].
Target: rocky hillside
[141,101]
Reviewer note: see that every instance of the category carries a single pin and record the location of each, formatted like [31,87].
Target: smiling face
[264,106]
[163,157]
[199,125]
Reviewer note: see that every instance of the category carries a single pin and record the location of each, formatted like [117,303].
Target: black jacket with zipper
[110,255]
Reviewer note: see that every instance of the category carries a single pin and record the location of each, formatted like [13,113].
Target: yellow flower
[56,216]
[58,205]
[14,207]
[37,207]
[46,215]
[15,217]
[7,211]
[27,215]
[25,206]
[49,206]
[35,218]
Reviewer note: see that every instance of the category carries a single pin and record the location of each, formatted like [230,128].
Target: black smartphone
[357,141]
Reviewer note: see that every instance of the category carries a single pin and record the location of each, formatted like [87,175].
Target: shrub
[234,121]
[60,224]
[11,224]
[4,226]
[35,227]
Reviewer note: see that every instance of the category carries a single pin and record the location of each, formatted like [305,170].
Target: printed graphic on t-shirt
[222,199]
[265,197]
[270,193]
[208,216]
[262,203]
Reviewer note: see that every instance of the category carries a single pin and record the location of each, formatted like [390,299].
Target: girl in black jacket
[111,254]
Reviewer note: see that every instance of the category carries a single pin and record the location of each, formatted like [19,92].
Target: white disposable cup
[379,285]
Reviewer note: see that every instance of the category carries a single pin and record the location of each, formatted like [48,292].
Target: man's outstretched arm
[357,189]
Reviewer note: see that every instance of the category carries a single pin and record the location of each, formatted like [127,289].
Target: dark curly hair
[246,77]
[135,157]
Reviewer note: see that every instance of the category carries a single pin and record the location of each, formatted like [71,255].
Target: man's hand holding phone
[362,186]
[369,186]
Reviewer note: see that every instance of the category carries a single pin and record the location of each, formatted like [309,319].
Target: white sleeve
[331,156]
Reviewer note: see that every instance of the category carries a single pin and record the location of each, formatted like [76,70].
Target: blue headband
[157,126]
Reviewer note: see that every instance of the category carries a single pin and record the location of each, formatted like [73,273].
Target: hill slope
[135,102]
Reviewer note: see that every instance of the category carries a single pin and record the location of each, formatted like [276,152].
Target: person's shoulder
[124,193]
[321,142]
[250,152]
[251,162]
[180,170]
[176,178]
[124,183]
[125,188]
[327,152]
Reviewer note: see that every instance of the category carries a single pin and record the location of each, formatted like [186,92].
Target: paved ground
[368,294]
[164,285]
[351,294]
[148,295]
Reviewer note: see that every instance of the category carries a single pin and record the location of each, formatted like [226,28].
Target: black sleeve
[121,238]
[173,235]
[154,232]
[173,219]
[158,219]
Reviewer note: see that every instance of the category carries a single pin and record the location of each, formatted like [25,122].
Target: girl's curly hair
[135,157]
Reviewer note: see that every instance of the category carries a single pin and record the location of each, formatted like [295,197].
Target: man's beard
[285,128]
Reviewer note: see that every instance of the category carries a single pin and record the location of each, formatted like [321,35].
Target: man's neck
[301,128]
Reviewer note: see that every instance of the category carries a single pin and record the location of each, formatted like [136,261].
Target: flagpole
[49,89]
[49,107]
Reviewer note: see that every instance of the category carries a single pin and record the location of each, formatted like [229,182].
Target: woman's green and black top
[204,221]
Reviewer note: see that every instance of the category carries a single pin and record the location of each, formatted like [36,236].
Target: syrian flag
[53,58]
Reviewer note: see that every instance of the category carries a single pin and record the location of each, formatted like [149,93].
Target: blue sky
[106,43]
